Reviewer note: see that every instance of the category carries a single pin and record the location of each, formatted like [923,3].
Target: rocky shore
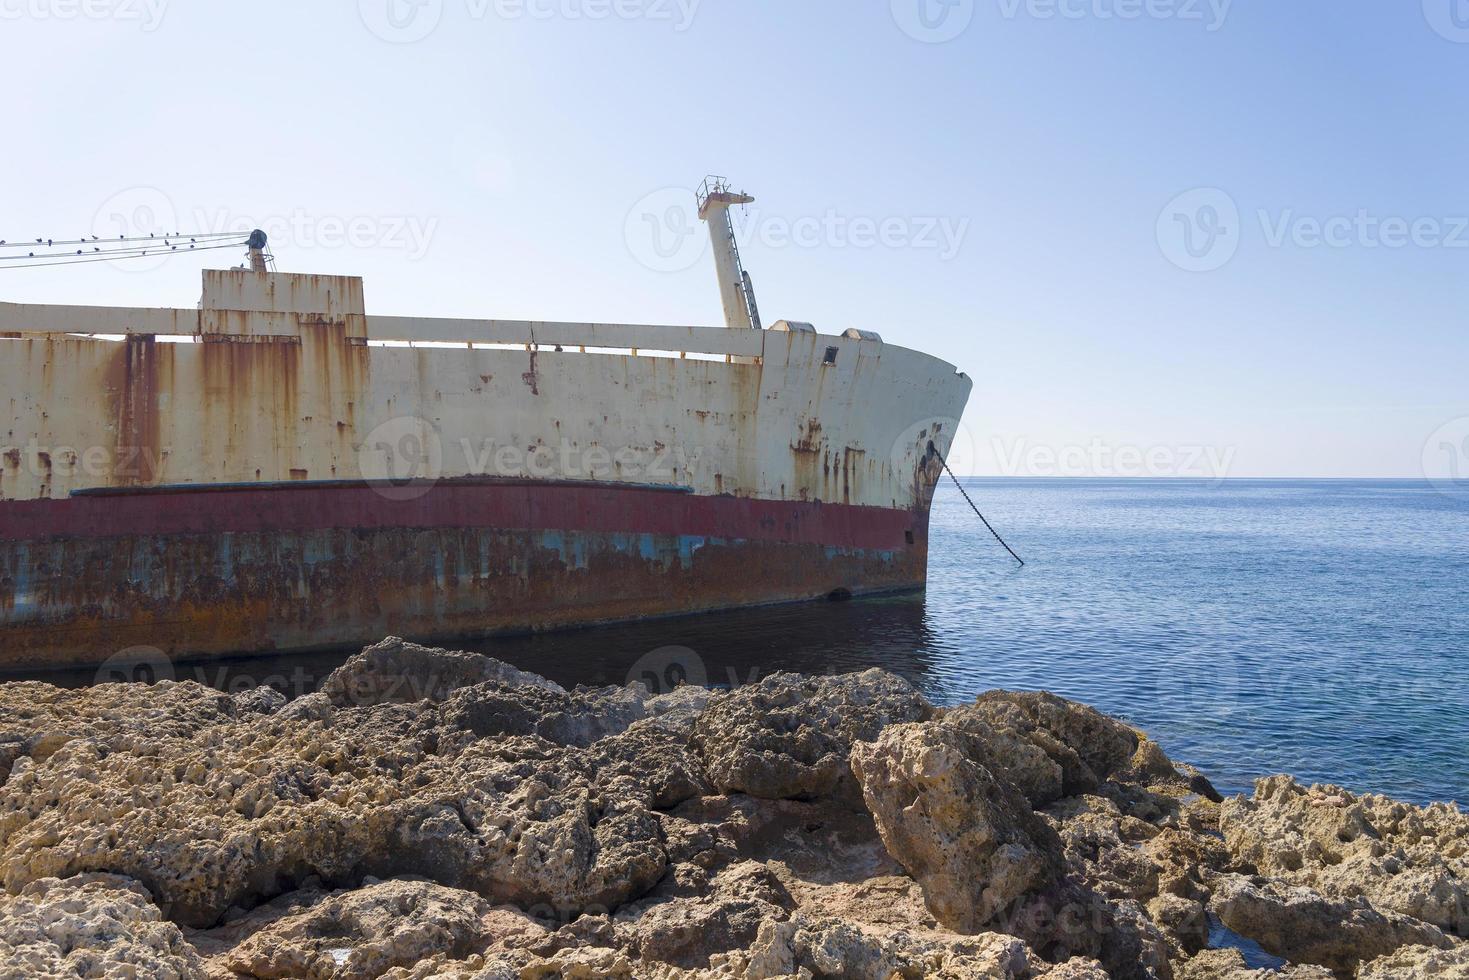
[431,814]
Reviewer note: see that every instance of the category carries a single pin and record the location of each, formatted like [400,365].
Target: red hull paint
[505,504]
[220,571]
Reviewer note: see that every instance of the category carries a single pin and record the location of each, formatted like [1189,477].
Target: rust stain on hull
[216,572]
[217,595]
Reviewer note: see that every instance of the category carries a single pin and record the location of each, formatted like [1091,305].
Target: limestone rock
[1229,964]
[38,719]
[688,931]
[970,839]
[1305,927]
[790,736]
[1401,858]
[1184,920]
[1419,961]
[240,813]
[1048,746]
[678,710]
[90,926]
[580,717]
[807,946]
[262,700]
[395,670]
[527,831]
[1102,847]
[1076,968]
[360,933]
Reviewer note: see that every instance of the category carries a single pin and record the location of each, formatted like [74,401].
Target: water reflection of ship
[730,649]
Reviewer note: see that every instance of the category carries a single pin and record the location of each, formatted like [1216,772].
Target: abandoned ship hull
[197,573]
[276,470]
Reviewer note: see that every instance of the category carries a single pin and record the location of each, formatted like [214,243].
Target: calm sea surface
[1252,627]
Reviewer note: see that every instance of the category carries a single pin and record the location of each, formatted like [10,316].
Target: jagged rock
[790,736]
[654,757]
[90,926]
[575,963]
[1184,860]
[984,859]
[1419,961]
[808,946]
[259,701]
[1048,746]
[37,719]
[1076,968]
[680,708]
[688,931]
[554,833]
[243,812]
[1102,846]
[579,717]
[1303,926]
[970,839]
[357,934]
[1183,920]
[1407,859]
[395,670]
[1229,964]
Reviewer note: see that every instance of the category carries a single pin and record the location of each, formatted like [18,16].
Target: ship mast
[736,289]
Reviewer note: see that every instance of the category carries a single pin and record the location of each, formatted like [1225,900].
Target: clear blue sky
[497,167]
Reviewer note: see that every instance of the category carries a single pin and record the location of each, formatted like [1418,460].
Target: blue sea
[1252,627]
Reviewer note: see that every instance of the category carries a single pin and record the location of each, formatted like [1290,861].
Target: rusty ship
[278,470]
